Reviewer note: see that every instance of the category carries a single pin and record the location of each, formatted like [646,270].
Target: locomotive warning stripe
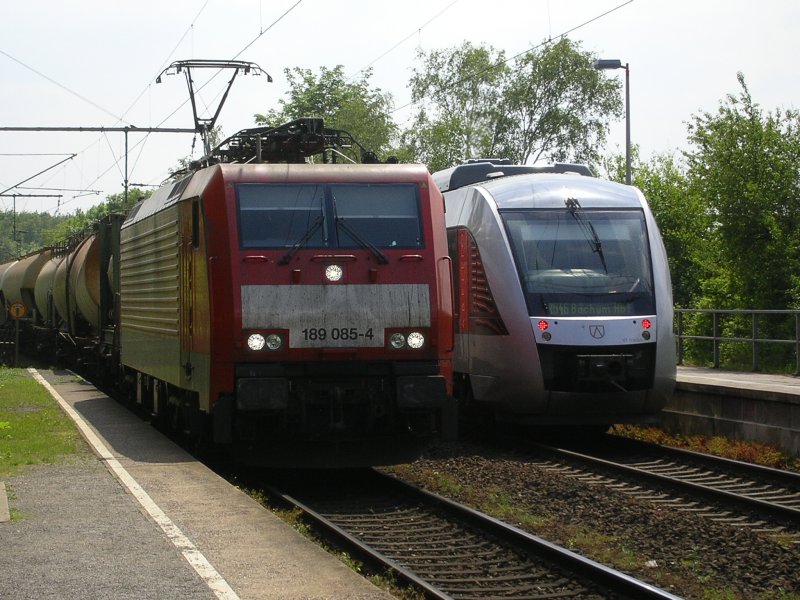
[356,308]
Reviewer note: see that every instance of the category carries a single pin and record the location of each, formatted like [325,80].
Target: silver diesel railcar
[563,295]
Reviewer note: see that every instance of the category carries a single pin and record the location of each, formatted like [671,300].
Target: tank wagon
[300,314]
[67,296]
[563,297]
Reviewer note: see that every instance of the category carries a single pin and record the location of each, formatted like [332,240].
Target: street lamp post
[604,64]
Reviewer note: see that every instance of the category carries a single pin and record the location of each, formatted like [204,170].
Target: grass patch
[33,429]
[500,504]
[604,548]
[752,452]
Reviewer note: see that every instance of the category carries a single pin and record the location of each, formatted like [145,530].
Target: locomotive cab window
[595,263]
[386,216]
[329,216]
[279,216]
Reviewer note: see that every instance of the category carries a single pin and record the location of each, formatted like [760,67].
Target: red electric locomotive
[300,313]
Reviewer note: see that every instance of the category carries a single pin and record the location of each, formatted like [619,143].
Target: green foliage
[457,91]
[38,230]
[34,429]
[680,213]
[683,221]
[736,349]
[555,105]
[30,232]
[548,104]
[745,165]
[352,105]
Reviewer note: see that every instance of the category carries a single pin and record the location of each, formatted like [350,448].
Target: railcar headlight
[398,340]
[415,340]
[256,341]
[274,341]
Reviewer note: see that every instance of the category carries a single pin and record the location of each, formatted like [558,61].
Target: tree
[746,166]
[352,106]
[547,104]
[681,216]
[683,221]
[458,91]
[29,228]
[556,105]
[81,221]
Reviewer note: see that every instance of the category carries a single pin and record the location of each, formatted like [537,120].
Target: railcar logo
[597,331]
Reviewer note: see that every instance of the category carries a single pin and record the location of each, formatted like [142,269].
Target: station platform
[136,517]
[761,384]
[746,406]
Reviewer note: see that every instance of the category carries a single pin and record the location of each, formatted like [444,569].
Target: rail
[725,328]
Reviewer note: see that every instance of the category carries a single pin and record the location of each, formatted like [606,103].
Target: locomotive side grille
[149,281]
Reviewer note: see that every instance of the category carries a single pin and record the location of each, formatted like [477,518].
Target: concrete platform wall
[743,414]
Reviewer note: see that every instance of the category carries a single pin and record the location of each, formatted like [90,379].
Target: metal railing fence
[721,324]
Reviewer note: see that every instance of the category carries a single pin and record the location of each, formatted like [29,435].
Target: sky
[93,63]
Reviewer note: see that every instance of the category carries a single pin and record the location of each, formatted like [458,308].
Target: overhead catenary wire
[63,87]
[405,39]
[180,106]
[188,30]
[532,48]
[139,144]
[119,119]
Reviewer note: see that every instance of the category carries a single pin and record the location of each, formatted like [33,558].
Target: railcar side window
[279,216]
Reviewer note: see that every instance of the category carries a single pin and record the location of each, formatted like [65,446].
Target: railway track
[446,549]
[724,490]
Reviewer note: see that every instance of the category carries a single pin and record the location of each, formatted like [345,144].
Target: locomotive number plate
[335,334]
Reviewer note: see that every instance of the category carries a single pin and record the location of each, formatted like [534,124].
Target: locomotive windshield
[593,263]
[329,216]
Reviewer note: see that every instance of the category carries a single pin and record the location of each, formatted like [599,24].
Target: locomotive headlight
[398,340]
[256,341]
[274,341]
[334,272]
[415,340]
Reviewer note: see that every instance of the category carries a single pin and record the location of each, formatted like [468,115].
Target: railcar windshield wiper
[307,236]
[587,228]
[340,222]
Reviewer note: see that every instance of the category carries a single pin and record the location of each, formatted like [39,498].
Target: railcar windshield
[587,263]
[329,215]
